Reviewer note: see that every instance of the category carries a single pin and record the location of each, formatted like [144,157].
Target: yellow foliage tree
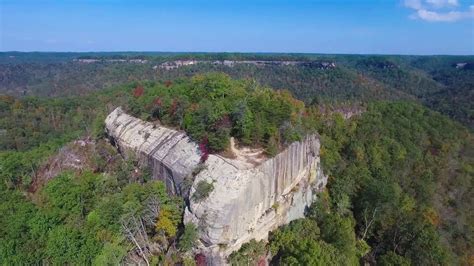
[165,223]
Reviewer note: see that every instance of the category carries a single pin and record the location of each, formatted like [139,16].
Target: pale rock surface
[248,203]
[252,195]
[171,154]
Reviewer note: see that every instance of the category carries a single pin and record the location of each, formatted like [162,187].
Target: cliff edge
[249,197]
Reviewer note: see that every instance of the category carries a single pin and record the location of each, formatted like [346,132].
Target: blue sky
[374,27]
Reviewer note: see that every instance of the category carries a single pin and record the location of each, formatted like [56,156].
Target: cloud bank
[439,10]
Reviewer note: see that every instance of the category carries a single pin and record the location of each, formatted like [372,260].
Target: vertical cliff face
[250,197]
[247,203]
[171,155]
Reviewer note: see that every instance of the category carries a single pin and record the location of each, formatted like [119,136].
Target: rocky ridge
[248,200]
[168,65]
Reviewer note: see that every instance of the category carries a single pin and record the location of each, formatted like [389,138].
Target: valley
[366,161]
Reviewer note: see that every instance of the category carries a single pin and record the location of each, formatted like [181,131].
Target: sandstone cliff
[250,197]
[171,155]
[247,203]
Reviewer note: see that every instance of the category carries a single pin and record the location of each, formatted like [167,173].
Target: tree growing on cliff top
[203,189]
[217,107]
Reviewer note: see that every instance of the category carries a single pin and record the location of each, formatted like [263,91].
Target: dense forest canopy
[212,108]
[401,180]
[401,174]
[443,83]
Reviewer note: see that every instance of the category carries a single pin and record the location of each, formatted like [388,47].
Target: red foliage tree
[138,91]
[173,107]
[204,149]
[157,101]
[200,259]
[262,261]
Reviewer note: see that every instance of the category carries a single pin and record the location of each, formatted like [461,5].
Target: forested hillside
[67,191]
[401,181]
[401,174]
[443,83]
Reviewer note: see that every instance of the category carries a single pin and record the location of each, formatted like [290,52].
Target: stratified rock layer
[247,203]
[248,200]
[171,155]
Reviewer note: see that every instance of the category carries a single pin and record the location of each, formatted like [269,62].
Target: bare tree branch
[368,223]
[131,229]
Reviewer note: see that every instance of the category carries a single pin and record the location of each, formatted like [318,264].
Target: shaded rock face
[171,155]
[248,200]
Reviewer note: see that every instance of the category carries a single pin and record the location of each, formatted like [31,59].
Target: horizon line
[233,52]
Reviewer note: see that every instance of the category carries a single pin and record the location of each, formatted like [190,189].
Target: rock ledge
[247,202]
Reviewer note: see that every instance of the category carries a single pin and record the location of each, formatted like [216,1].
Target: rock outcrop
[171,154]
[260,63]
[250,197]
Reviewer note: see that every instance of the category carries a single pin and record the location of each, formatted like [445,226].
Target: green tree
[249,254]
[188,238]
[203,189]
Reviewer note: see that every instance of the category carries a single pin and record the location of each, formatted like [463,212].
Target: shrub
[249,254]
[188,238]
[203,190]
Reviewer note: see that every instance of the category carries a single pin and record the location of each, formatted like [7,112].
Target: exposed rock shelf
[246,202]
[171,154]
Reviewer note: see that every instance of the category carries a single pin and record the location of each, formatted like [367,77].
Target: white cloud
[424,10]
[426,4]
[442,3]
[414,4]
[451,16]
